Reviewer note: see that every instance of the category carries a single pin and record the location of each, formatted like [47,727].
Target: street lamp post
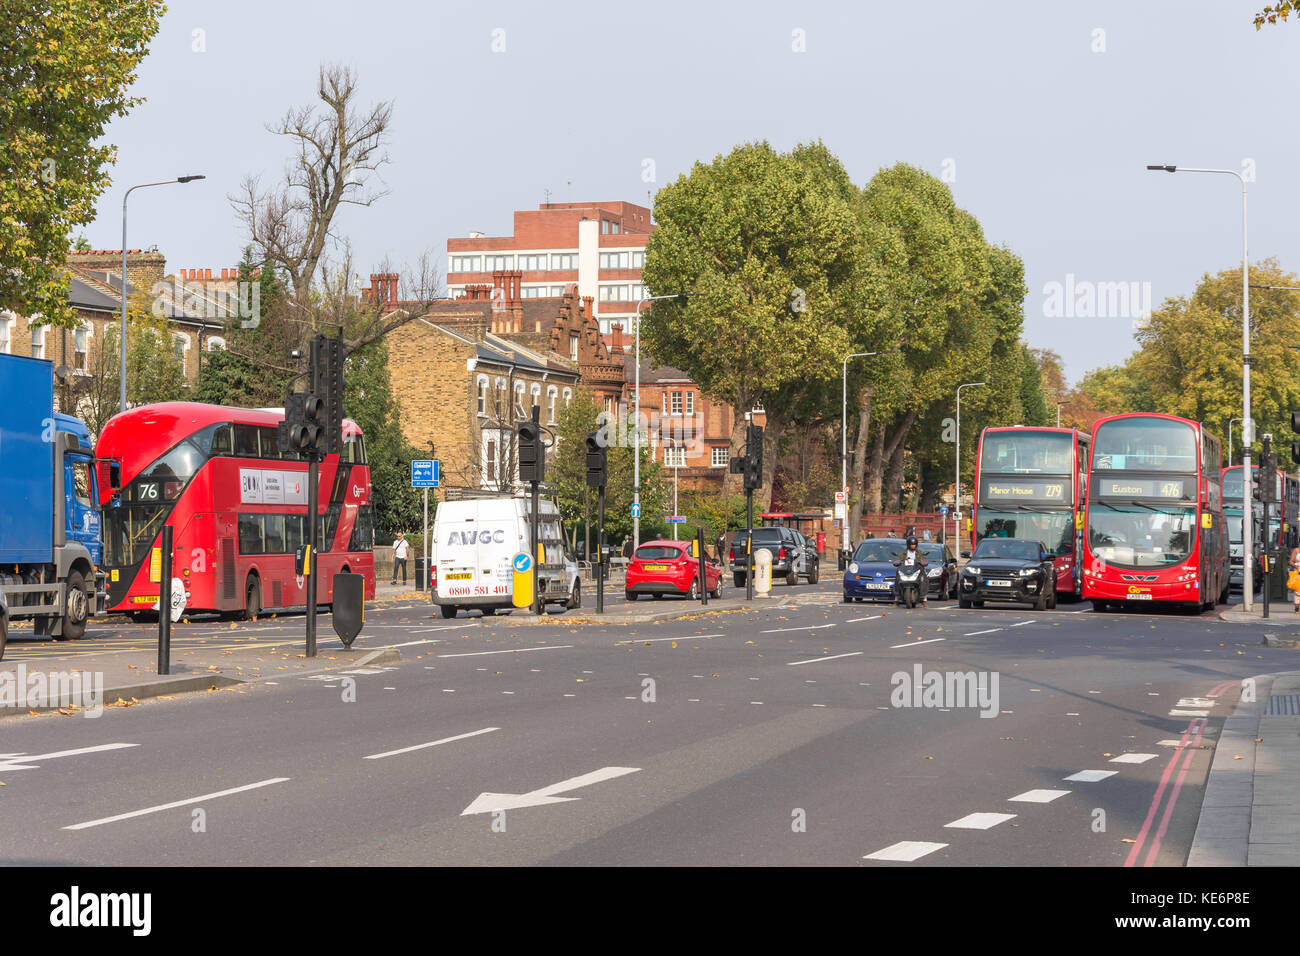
[1247,426]
[957,496]
[122,348]
[636,420]
[844,443]
[1058,413]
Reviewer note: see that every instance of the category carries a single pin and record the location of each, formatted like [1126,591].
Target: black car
[1008,569]
[941,569]
[793,556]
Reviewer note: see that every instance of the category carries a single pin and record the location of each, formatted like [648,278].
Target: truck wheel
[575,599]
[252,598]
[448,610]
[792,578]
[738,579]
[76,608]
[816,573]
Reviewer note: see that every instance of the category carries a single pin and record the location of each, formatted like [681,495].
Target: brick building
[600,247]
[466,371]
[690,433]
[95,295]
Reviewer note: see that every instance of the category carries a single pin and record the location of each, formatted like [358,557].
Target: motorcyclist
[913,555]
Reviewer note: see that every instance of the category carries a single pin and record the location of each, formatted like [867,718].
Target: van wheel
[738,579]
[816,573]
[448,610]
[252,598]
[76,608]
[575,599]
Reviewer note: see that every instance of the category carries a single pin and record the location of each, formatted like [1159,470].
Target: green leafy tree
[65,68]
[369,402]
[768,243]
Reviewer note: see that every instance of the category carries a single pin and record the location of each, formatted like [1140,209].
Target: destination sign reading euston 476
[1024,490]
[1170,488]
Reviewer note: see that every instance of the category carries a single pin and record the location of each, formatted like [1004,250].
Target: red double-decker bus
[237,506]
[1154,528]
[1029,483]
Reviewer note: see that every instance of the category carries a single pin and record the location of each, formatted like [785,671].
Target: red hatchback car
[666,567]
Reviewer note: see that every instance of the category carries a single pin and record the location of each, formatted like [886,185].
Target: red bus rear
[237,506]
[1029,483]
[1154,528]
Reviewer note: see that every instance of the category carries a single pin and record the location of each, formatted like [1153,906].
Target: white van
[475,541]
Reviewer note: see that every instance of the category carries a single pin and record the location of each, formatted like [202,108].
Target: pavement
[764,710]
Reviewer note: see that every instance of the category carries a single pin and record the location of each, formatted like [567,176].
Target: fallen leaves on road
[928,757]
[1127,840]
[1238,757]
[124,703]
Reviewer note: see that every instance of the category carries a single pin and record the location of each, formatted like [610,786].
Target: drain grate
[1283,704]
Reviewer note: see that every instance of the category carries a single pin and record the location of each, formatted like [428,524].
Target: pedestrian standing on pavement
[400,549]
[720,545]
[1295,569]
[627,546]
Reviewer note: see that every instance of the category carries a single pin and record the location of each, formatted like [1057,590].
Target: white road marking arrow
[487,802]
[27,761]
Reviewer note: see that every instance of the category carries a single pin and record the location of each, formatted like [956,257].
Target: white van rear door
[496,548]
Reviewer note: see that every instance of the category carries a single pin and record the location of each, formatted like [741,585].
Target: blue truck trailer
[50,541]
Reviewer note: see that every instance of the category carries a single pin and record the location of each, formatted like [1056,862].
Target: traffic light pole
[309,568]
[749,544]
[600,550]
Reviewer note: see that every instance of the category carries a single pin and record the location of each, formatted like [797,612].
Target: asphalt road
[772,736]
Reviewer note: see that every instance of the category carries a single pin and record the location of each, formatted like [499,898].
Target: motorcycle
[909,583]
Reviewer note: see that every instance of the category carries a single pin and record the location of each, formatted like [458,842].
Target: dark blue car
[871,571]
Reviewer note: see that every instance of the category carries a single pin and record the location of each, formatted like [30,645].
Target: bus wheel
[448,610]
[1098,606]
[76,609]
[252,598]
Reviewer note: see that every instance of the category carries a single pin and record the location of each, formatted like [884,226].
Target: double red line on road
[1185,750]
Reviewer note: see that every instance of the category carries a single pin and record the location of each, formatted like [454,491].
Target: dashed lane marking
[653,640]
[905,851]
[979,821]
[783,630]
[177,803]
[813,660]
[432,743]
[989,631]
[515,650]
[1037,796]
[1091,776]
[1132,758]
[914,643]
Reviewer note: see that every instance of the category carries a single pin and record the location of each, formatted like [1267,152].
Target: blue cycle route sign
[425,473]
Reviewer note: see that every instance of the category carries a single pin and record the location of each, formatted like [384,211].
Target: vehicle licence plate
[997,584]
[463,576]
[656,567]
[879,587]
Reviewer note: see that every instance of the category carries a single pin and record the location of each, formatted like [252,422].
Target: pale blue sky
[1047,138]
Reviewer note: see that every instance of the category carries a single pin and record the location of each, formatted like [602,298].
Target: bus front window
[1141,536]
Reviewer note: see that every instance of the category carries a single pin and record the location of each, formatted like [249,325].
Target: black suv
[1009,569]
[793,555]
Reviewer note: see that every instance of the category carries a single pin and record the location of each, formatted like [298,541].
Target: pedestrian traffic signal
[292,416]
[595,462]
[532,459]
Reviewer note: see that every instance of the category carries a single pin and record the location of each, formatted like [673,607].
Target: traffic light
[307,436]
[1295,446]
[292,416]
[327,383]
[1268,477]
[754,446]
[532,457]
[737,465]
[595,462]
[753,467]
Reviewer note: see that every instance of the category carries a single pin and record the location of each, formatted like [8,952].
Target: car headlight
[971,569]
[853,567]
[934,572]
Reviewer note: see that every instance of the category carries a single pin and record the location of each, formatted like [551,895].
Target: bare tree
[338,147]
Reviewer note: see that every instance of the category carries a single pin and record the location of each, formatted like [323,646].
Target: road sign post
[426,474]
[165,604]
